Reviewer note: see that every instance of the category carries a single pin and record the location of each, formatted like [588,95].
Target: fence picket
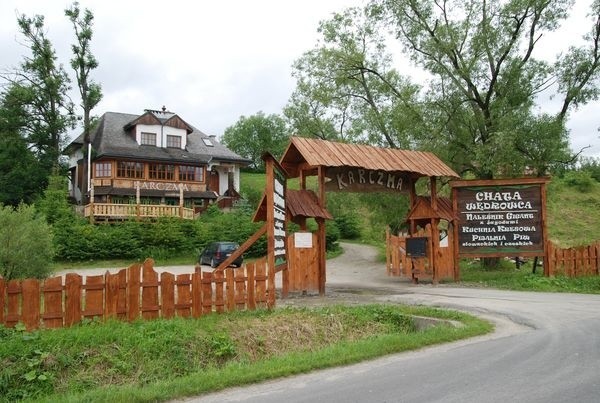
[150,303]
[30,308]
[53,302]
[167,295]
[184,297]
[230,291]
[197,295]
[73,283]
[133,291]
[207,292]
[251,270]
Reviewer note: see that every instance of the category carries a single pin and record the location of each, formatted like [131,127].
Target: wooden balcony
[109,211]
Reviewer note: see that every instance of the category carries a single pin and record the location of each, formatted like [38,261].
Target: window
[102,169]
[148,139]
[208,142]
[191,174]
[173,141]
[130,169]
[161,171]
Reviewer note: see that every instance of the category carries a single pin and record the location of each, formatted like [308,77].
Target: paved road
[546,347]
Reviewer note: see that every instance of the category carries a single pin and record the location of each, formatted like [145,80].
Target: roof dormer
[160,128]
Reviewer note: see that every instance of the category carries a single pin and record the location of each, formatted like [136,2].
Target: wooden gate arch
[360,168]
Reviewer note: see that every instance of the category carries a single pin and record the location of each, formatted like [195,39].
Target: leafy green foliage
[592,166]
[346,89]
[252,136]
[26,248]
[164,238]
[477,111]
[54,203]
[83,62]
[49,110]
[582,181]
[22,176]
[348,224]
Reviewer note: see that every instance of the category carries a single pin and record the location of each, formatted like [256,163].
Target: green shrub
[580,180]
[26,248]
[349,225]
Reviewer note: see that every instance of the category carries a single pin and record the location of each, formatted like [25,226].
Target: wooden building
[150,165]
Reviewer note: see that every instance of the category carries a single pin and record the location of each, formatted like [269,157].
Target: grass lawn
[166,359]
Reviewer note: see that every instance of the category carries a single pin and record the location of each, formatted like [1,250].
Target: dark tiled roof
[111,140]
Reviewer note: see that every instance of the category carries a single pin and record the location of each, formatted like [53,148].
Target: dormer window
[173,141]
[148,139]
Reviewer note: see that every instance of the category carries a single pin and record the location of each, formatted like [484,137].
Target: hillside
[573,210]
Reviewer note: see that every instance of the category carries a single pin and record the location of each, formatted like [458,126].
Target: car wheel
[213,263]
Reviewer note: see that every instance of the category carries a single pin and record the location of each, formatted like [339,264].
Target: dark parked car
[215,253]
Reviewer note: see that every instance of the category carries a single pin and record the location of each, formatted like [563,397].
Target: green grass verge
[507,277]
[166,359]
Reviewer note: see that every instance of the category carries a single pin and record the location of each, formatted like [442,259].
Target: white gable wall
[161,134]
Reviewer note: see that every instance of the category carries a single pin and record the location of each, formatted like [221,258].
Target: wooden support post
[322,233]
[138,206]
[92,203]
[455,237]
[546,260]
[435,233]
[413,200]
[181,200]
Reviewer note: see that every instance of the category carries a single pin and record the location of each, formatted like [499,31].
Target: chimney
[164,108]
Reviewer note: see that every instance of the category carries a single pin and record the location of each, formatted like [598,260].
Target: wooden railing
[574,262]
[120,211]
[132,293]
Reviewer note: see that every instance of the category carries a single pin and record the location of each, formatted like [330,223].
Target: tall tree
[83,62]
[45,85]
[22,177]
[481,100]
[346,89]
[253,135]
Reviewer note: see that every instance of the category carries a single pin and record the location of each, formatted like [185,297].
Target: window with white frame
[173,141]
[148,139]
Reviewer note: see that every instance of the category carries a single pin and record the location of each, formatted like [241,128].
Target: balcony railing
[124,211]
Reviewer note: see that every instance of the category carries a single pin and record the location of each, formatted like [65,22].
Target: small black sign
[416,247]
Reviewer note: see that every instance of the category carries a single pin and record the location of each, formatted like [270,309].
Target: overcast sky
[213,61]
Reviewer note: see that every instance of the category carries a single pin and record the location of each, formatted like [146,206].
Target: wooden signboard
[352,179]
[500,218]
[276,236]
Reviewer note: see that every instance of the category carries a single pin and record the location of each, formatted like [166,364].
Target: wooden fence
[399,264]
[573,262]
[132,293]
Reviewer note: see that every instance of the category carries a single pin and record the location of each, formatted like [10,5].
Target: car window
[229,247]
